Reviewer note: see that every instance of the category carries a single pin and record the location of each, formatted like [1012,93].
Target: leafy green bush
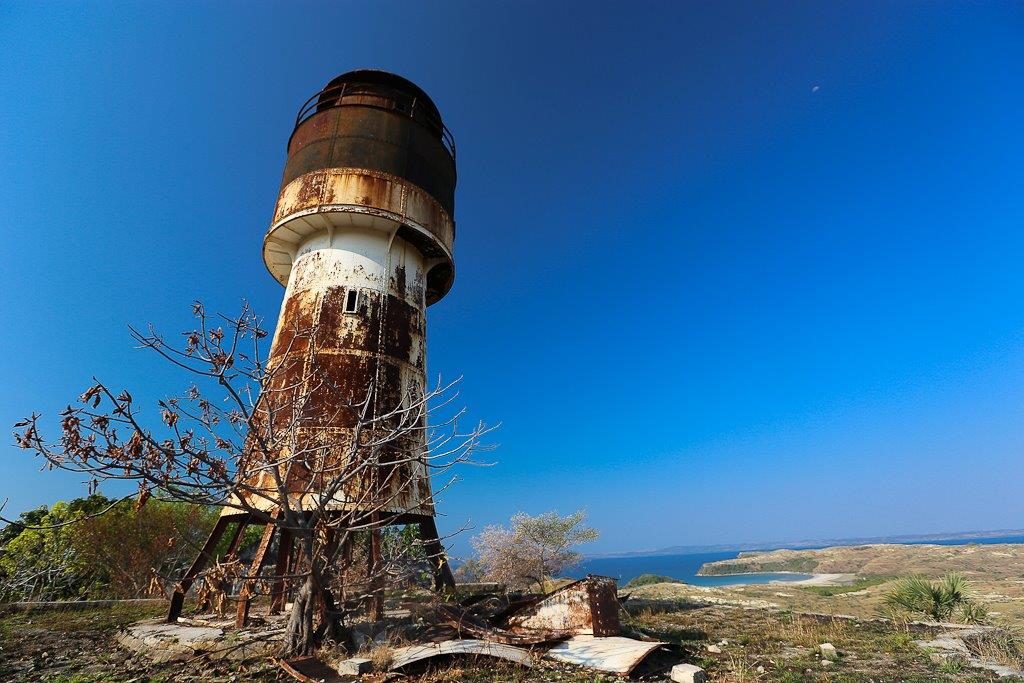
[648,579]
[42,563]
[67,552]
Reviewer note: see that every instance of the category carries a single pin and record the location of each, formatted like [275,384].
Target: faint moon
[815,88]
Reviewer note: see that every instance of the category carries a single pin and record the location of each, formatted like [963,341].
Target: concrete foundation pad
[163,642]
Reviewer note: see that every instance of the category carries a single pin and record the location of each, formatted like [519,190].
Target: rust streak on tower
[361,238]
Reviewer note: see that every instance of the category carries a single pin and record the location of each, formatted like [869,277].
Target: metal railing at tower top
[378,97]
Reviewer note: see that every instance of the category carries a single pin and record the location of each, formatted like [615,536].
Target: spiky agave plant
[973,613]
[940,600]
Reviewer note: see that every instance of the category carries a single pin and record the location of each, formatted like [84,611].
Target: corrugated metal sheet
[615,655]
[404,656]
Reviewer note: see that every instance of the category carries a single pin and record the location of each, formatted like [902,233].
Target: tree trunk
[300,638]
[312,600]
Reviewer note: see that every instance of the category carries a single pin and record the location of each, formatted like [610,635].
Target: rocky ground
[854,579]
[79,647]
[762,644]
[734,639]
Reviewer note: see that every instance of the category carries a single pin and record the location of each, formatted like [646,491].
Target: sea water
[684,567]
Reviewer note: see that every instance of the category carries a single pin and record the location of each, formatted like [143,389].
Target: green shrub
[120,553]
[648,579]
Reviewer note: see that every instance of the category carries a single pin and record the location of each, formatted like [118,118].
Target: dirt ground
[755,644]
[78,647]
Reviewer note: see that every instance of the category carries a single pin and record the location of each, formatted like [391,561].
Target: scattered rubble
[354,666]
[688,673]
[577,624]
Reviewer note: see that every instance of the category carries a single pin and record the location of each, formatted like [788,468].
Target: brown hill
[988,561]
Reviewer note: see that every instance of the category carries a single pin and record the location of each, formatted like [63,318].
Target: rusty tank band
[339,198]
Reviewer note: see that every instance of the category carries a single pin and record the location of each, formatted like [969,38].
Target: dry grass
[1003,646]
[807,631]
[740,671]
[486,671]
[381,656]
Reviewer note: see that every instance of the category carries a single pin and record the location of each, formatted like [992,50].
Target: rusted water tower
[361,238]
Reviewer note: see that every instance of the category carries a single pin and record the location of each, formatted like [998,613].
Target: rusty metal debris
[588,606]
[465,622]
[576,624]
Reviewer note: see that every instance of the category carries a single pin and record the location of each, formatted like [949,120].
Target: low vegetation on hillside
[760,564]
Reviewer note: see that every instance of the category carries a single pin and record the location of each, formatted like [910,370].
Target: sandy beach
[822,580]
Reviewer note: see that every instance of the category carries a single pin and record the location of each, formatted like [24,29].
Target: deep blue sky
[726,271]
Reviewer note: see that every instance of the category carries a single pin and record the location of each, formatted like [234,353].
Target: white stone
[828,650]
[354,666]
[826,663]
[688,673]
[714,649]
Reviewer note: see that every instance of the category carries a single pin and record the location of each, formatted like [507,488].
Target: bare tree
[245,436]
[534,549]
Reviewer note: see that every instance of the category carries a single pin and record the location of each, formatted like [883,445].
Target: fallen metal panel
[604,606]
[404,656]
[616,654]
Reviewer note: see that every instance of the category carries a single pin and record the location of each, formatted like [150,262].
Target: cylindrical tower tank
[362,238]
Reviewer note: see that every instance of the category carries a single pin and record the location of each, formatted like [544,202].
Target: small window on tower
[352,301]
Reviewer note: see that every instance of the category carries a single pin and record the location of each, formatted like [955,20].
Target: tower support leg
[236,536]
[245,594]
[205,555]
[344,565]
[376,587]
[284,553]
[236,539]
[443,577]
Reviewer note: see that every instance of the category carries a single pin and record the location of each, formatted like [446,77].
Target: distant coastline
[809,544]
